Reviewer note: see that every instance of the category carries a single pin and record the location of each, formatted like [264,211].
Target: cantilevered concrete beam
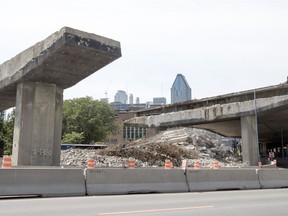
[64,58]
[38,77]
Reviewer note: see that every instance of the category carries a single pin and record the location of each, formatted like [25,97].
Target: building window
[134,133]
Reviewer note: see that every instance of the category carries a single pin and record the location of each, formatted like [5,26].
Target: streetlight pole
[256,128]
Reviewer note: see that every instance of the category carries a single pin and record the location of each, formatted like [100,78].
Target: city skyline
[119,97]
[180,91]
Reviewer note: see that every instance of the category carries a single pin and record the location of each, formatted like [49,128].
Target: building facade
[128,132]
[121,97]
[159,101]
[131,99]
[180,90]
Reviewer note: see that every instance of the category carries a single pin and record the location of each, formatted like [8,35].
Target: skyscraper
[131,99]
[180,90]
[121,96]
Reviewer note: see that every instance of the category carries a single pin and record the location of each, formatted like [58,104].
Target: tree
[2,137]
[6,133]
[89,118]
[73,137]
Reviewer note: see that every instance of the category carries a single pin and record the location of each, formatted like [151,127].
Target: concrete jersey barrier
[273,178]
[222,179]
[42,181]
[143,180]
[48,182]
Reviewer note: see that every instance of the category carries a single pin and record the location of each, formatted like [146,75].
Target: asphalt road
[224,203]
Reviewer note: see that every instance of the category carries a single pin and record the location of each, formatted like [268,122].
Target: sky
[220,46]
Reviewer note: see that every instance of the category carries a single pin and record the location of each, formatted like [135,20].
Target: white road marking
[154,210]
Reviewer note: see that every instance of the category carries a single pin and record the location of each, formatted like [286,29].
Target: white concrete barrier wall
[42,181]
[222,179]
[273,178]
[140,180]
[71,182]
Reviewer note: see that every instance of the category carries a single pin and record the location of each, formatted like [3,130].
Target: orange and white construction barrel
[168,164]
[90,163]
[131,163]
[215,165]
[6,162]
[197,165]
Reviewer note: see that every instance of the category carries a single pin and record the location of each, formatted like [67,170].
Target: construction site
[175,145]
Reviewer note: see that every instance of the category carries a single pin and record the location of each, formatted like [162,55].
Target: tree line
[85,121]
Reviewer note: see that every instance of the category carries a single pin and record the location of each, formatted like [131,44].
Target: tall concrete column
[250,148]
[38,125]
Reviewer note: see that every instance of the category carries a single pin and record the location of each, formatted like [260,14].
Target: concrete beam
[64,58]
[211,114]
[236,97]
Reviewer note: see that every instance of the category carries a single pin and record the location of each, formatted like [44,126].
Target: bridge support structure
[250,146]
[233,115]
[34,81]
[38,124]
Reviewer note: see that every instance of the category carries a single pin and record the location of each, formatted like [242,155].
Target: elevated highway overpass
[256,116]
[34,81]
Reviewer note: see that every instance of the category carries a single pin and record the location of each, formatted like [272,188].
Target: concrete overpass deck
[221,114]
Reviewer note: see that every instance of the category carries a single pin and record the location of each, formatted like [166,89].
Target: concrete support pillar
[38,125]
[264,149]
[250,148]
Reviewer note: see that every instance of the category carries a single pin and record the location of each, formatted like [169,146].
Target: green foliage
[94,119]
[6,133]
[73,137]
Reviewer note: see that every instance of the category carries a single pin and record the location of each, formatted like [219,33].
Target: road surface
[224,203]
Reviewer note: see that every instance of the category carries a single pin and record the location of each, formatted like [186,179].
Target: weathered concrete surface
[222,179]
[64,58]
[38,124]
[250,148]
[38,77]
[273,178]
[42,181]
[265,92]
[124,181]
[212,114]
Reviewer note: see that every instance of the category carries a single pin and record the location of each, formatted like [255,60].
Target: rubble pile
[174,144]
[154,154]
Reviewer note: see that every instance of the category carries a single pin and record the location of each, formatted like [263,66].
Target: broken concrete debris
[175,145]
